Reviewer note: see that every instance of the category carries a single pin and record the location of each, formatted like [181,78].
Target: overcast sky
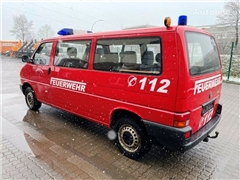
[106,15]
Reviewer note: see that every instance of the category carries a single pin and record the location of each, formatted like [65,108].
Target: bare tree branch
[231,15]
[22,28]
[45,32]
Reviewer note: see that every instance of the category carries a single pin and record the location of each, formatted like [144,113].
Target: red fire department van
[156,85]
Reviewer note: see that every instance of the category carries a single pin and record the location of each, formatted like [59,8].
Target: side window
[72,54]
[42,55]
[129,55]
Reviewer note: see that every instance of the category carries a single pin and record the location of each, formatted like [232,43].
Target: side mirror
[25,58]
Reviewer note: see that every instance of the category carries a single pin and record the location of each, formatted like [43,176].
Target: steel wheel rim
[30,99]
[128,138]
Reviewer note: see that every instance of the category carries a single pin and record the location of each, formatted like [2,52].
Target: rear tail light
[181,119]
[180,124]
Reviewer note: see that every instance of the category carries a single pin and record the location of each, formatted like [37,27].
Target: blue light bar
[65,31]
[182,20]
[69,31]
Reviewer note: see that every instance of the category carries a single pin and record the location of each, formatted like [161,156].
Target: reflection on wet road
[75,148]
[16,136]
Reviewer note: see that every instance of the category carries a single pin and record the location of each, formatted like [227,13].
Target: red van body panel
[191,94]
[156,99]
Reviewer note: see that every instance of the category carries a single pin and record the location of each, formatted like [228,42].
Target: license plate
[207,107]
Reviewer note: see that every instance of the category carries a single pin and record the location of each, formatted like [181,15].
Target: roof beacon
[69,31]
[182,20]
[167,22]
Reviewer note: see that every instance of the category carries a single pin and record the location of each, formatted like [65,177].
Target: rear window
[202,53]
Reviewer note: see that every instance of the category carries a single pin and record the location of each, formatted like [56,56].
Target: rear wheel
[31,100]
[132,138]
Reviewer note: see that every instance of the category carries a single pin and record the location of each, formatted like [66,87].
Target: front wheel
[132,138]
[31,100]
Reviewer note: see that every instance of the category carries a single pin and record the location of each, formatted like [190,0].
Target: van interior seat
[72,52]
[147,58]
[72,60]
[158,58]
[105,61]
[128,58]
[112,57]
[100,51]
[99,55]
[86,54]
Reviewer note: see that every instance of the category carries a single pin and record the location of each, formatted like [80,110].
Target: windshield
[202,53]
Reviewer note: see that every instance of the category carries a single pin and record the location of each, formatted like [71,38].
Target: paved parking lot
[53,144]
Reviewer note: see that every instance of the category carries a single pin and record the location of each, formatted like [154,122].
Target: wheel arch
[25,86]
[119,113]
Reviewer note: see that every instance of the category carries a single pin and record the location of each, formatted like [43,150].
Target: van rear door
[200,83]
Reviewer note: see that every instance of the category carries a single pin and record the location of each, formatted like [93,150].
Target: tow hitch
[213,137]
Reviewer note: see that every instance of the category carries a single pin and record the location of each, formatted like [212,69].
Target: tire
[31,100]
[132,139]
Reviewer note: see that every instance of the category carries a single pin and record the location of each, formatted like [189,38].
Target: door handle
[39,72]
[49,71]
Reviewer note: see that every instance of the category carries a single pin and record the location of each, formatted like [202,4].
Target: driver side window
[42,55]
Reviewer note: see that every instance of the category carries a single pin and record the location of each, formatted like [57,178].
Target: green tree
[45,32]
[22,28]
[231,15]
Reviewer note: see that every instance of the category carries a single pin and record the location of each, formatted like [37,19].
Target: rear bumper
[173,138]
